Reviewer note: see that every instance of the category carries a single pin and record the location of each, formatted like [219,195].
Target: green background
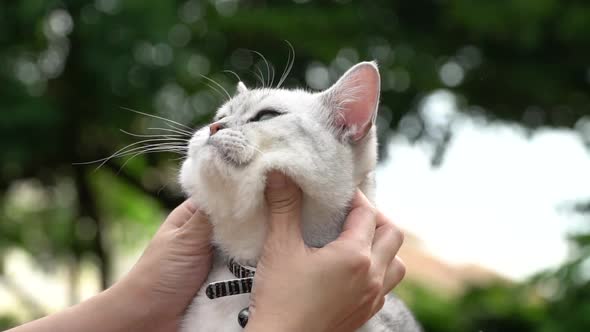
[67,68]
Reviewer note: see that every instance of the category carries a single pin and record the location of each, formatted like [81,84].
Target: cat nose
[215,127]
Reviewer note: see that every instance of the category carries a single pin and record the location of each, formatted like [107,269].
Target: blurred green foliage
[7,322]
[552,301]
[67,66]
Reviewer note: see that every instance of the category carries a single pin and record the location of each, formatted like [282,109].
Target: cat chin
[232,198]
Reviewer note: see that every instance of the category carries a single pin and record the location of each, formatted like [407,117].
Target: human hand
[171,270]
[334,288]
[155,293]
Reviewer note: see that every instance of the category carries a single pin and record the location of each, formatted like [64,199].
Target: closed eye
[265,115]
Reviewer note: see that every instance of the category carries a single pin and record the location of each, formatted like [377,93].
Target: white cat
[326,142]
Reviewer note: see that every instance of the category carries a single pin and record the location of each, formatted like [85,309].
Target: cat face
[324,141]
[253,126]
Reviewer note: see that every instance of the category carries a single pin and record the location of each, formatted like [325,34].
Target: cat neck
[243,240]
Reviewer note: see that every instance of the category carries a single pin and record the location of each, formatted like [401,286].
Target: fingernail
[276,180]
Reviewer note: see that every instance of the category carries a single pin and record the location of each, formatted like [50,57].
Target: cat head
[325,141]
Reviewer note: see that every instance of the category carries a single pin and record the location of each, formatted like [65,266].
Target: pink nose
[215,127]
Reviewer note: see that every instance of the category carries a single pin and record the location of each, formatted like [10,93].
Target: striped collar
[241,285]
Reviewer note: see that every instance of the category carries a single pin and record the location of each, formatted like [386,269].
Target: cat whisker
[156,117]
[216,90]
[150,147]
[258,76]
[145,149]
[268,72]
[289,65]
[179,158]
[176,170]
[217,84]
[233,73]
[155,135]
[171,145]
[253,147]
[126,149]
[150,150]
[261,76]
[153,150]
[177,130]
[179,133]
[173,132]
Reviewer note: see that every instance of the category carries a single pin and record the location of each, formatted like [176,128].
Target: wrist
[136,307]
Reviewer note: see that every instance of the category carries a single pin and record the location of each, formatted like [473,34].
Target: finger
[378,304]
[353,321]
[360,223]
[387,241]
[188,219]
[283,199]
[197,224]
[394,274]
[181,214]
[191,228]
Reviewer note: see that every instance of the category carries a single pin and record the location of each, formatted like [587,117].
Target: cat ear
[241,88]
[353,100]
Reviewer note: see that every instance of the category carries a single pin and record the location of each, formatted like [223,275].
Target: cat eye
[265,115]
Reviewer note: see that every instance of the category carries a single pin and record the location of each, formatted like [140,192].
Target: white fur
[225,175]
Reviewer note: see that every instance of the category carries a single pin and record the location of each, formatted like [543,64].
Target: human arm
[155,293]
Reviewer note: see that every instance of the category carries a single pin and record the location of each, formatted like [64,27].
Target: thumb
[283,198]
[180,215]
[198,224]
[190,223]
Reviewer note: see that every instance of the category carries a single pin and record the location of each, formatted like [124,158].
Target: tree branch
[87,208]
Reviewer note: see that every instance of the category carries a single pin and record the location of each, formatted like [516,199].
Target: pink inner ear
[358,95]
